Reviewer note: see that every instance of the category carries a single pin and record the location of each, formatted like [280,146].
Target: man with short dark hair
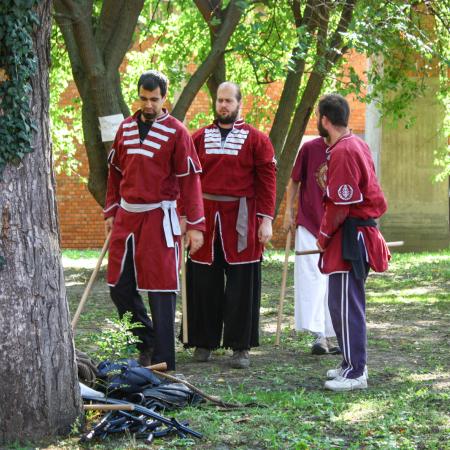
[238,183]
[349,238]
[152,162]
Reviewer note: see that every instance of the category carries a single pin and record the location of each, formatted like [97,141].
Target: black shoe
[202,354]
[320,346]
[240,359]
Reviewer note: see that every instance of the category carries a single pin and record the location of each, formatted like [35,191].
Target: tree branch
[110,16]
[229,24]
[121,38]
[291,86]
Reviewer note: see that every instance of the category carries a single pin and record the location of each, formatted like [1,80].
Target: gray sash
[242,219]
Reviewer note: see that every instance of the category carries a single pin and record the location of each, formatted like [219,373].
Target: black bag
[125,377]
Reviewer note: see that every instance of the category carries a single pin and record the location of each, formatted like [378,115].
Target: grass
[407,405]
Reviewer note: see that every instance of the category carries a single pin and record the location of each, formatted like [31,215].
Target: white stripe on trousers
[344,325]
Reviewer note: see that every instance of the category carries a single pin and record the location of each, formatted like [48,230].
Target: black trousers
[157,333]
[223,298]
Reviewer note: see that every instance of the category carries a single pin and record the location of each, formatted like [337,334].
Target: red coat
[352,190]
[243,167]
[147,173]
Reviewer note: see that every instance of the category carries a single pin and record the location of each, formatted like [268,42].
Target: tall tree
[96,44]
[39,391]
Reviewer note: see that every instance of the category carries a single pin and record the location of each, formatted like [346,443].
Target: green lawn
[407,405]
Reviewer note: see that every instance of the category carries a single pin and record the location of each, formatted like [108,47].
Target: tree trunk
[39,391]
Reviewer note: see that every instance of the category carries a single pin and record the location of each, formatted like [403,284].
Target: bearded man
[224,276]
[349,238]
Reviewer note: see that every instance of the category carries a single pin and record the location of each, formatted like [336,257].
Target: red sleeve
[332,219]
[114,178]
[187,169]
[342,190]
[265,176]
[343,178]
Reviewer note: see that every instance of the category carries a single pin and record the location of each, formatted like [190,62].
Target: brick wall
[80,217]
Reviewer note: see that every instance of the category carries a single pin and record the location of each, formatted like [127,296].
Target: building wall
[80,217]
[418,211]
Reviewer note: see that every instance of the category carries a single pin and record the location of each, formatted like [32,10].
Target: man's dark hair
[335,108]
[151,79]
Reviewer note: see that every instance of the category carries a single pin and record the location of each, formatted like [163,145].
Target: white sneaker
[333,373]
[341,384]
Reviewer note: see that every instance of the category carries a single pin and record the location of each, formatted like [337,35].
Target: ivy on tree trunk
[39,392]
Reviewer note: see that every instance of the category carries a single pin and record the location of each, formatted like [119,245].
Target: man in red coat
[152,162]
[349,238]
[238,184]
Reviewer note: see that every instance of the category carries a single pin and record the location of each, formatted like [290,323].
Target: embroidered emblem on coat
[321,176]
[345,192]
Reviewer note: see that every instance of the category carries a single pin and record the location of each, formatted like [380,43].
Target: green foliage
[65,120]
[18,61]
[116,339]
[400,38]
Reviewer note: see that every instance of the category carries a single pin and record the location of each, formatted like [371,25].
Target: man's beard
[229,118]
[322,131]
[148,117]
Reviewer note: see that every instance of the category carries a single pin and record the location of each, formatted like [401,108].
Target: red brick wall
[80,217]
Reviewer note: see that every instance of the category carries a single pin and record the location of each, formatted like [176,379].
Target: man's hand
[288,221]
[183,225]
[108,225]
[265,230]
[193,240]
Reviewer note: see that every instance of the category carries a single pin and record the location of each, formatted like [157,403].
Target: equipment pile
[138,397]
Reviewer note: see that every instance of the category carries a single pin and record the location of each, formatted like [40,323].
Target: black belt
[350,249]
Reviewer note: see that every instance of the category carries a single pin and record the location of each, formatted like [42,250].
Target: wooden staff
[183,294]
[105,407]
[90,283]
[283,285]
[160,367]
[313,252]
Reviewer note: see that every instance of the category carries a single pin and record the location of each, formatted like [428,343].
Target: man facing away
[349,238]
[308,178]
[152,162]
[224,276]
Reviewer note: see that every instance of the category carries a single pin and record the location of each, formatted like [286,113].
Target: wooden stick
[211,398]
[183,294]
[162,367]
[90,283]
[101,407]
[283,285]
[313,252]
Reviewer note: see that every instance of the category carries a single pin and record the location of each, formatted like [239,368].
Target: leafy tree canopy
[300,44]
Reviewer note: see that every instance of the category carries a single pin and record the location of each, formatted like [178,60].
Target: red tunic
[352,190]
[310,170]
[244,166]
[141,176]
